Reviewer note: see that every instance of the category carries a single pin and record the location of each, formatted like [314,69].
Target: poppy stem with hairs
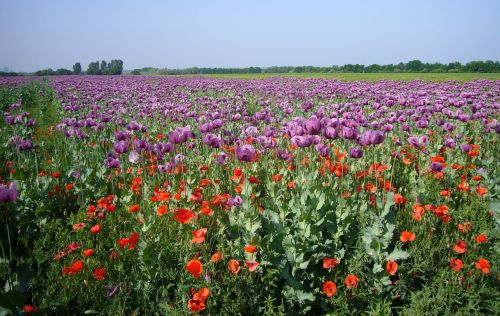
[36,168]
[7,224]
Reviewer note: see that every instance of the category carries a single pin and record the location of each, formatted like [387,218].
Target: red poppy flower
[481,191]
[131,241]
[253,180]
[205,182]
[277,177]
[234,266]
[251,265]
[100,273]
[456,264]
[329,288]
[95,229]
[72,247]
[460,247]
[391,267]
[28,309]
[183,216]
[161,210]
[351,281]
[195,267]
[216,257]
[407,236]
[250,248]
[399,199]
[205,208]
[58,256]
[199,236]
[74,268]
[88,252]
[463,228]
[483,265]
[445,193]
[237,174]
[329,263]
[197,302]
[481,238]
[134,208]
[78,226]
[418,212]
[122,242]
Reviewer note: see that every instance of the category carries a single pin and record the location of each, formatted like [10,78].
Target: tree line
[411,66]
[114,67]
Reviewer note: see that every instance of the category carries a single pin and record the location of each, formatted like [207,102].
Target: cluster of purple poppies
[203,112]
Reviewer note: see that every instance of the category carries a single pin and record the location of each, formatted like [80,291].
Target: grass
[366,76]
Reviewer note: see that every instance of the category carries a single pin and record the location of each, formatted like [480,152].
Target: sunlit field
[173,195]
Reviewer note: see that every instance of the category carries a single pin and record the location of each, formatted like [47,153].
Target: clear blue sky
[37,34]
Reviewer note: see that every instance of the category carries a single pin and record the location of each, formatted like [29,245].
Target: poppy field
[152,195]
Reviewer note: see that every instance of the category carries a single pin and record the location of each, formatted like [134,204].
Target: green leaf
[321,201]
[398,254]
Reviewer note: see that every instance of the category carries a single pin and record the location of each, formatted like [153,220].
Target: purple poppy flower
[111,291]
[120,135]
[331,133]
[212,140]
[312,125]
[301,141]
[245,153]
[8,194]
[112,161]
[26,144]
[323,150]
[355,152]
[236,201]
[465,148]
[221,158]
[141,145]
[179,158]
[120,147]
[419,142]
[436,166]
[349,133]
[283,155]
[133,157]
[15,140]
[450,143]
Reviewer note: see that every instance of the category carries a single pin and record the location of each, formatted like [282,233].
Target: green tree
[104,68]
[115,67]
[77,69]
[93,68]
[63,71]
[414,66]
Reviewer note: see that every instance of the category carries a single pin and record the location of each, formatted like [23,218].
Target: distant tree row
[115,67]
[411,66]
[50,72]
[8,74]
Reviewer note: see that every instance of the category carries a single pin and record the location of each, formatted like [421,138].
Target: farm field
[437,77]
[174,195]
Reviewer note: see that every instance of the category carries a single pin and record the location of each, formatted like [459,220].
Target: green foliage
[115,67]
[77,69]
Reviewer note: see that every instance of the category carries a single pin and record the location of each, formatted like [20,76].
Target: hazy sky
[37,34]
